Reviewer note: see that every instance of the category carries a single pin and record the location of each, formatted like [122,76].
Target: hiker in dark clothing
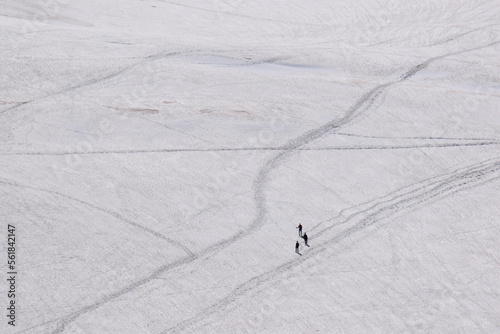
[305,238]
[297,247]
[300,229]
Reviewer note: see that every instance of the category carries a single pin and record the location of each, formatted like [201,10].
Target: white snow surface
[157,156]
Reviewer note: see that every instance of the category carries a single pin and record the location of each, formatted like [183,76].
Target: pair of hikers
[300,235]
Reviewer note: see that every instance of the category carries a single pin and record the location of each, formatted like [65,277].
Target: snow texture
[157,156]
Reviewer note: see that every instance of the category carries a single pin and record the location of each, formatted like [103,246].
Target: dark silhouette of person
[300,229]
[305,238]
[297,247]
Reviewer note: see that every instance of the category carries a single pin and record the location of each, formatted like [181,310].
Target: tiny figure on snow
[300,229]
[305,239]
[297,247]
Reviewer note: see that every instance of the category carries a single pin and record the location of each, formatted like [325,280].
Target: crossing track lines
[288,149]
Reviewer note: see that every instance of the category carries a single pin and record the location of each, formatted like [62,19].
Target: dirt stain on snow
[13,102]
[234,112]
[239,112]
[141,110]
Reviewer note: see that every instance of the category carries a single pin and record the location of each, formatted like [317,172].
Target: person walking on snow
[297,247]
[305,239]
[300,229]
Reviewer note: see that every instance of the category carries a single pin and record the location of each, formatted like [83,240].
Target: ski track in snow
[230,149]
[384,199]
[473,172]
[414,138]
[101,79]
[261,180]
[107,211]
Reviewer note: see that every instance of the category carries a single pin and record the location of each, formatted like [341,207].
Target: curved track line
[30,329]
[365,101]
[460,179]
[111,213]
[395,147]
[474,176]
[415,138]
[384,199]
[94,81]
